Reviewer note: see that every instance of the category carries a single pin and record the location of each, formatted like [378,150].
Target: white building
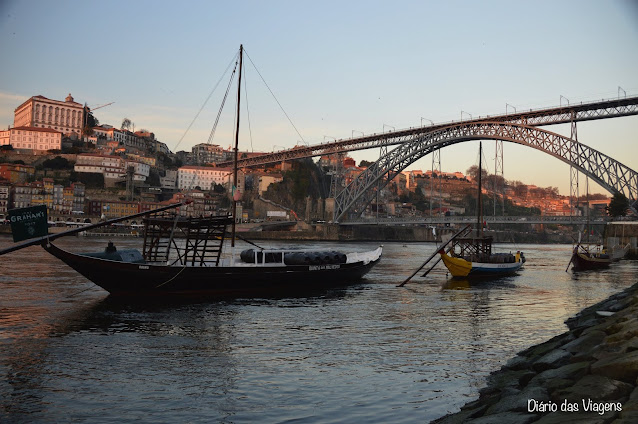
[40,112]
[189,177]
[112,167]
[32,138]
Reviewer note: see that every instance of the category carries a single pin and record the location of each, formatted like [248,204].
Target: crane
[87,109]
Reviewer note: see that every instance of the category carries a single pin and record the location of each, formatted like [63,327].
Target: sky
[337,68]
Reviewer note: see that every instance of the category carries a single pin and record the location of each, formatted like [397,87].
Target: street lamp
[389,126]
[463,112]
[431,121]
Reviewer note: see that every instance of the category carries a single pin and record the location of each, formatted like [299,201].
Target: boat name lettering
[143,267]
[322,267]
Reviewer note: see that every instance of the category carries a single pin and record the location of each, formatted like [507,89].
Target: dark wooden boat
[184,257]
[132,273]
[586,257]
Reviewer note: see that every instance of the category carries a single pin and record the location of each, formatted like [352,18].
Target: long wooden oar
[39,240]
[434,254]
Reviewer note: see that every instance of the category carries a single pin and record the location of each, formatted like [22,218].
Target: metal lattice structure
[542,117]
[609,173]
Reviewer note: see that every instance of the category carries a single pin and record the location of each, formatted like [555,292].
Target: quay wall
[589,374]
[624,232]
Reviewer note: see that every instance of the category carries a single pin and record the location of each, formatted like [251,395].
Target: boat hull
[461,268]
[582,261]
[140,279]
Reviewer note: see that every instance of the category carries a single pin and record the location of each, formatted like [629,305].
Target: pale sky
[338,68]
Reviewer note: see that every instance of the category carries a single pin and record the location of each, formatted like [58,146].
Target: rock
[630,417]
[619,367]
[517,363]
[502,379]
[459,417]
[595,387]
[505,417]
[571,418]
[553,359]
[585,343]
[519,402]
[551,344]
[570,372]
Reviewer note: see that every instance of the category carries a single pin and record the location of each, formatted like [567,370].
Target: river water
[371,352]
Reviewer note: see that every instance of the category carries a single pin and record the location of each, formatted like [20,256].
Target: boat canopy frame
[204,239]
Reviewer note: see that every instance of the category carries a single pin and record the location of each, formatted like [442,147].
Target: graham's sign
[29,222]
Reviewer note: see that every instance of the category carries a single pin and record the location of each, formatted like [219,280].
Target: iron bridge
[519,127]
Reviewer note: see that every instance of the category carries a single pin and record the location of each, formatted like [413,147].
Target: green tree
[618,205]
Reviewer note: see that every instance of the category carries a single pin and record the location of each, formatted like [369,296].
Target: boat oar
[432,267]
[50,237]
[433,255]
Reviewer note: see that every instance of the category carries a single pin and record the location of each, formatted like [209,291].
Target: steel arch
[609,173]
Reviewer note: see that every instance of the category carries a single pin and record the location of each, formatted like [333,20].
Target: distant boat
[593,256]
[472,257]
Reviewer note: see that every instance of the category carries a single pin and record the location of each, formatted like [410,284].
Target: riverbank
[589,374]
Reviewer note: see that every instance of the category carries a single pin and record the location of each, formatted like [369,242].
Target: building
[112,167]
[169,181]
[65,116]
[205,178]
[31,138]
[265,180]
[5,198]
[22,195]
[207,153]
[16,173]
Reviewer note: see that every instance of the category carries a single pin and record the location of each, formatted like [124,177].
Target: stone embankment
[588,374]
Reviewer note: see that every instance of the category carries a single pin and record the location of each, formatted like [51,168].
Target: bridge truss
[518,127]
[609,173]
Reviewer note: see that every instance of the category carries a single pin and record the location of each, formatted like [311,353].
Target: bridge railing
[575,220]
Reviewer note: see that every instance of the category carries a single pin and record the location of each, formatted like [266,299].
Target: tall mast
[241,55]
[479,214]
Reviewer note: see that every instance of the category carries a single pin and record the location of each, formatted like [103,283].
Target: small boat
[593,256]
[472,257]
[586,257]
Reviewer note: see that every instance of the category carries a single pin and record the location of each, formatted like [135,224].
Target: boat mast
[479,228]
[241,55]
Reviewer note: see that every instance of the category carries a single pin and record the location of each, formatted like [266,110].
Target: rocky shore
[588,374]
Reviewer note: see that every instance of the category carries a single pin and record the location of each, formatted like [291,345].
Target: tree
[90,122]
[618,205]
[365,164]
[126,124]
[473,171]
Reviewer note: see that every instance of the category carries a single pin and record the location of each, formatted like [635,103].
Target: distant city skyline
[337,68]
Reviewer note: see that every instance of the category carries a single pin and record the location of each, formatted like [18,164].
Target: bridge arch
[609,173]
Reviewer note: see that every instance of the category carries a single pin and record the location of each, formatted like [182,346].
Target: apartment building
[32,138]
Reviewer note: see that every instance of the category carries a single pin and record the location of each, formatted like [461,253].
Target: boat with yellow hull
[498,265]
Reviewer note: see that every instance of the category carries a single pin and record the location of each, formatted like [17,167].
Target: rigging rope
[219,112]
[273,95]
[234,59]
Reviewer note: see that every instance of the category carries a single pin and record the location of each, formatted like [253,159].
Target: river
[371,352]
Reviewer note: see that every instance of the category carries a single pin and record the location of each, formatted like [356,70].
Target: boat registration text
[322,267]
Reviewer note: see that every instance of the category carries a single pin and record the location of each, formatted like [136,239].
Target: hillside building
[65,116]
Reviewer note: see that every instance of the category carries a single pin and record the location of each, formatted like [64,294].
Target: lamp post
[431,121]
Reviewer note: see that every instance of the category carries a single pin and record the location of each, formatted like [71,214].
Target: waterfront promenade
[589,374]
